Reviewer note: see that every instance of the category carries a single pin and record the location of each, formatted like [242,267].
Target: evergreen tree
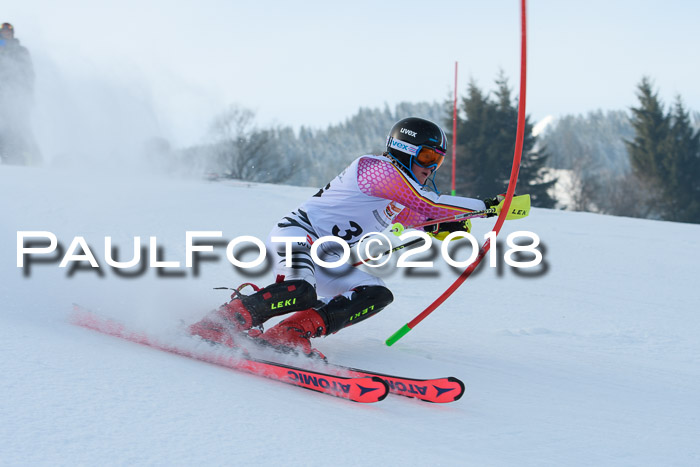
[486,143]
[665,156]
[682,189]
[533,162]
[649,148]
[476,162]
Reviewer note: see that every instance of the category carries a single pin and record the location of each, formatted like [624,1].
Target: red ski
[366,388]
[437,390]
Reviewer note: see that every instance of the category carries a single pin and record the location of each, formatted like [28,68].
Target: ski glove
[442,230]
[495,202]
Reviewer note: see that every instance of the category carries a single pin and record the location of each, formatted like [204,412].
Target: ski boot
[294,333]
[244,312]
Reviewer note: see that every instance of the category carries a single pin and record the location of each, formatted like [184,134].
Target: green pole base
[397,335]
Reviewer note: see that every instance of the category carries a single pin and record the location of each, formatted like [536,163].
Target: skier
[17,143]
[373,192]
[16,69]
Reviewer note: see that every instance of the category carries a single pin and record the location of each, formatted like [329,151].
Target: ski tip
[377,379]
[366,390]
[445,393]
[461,385]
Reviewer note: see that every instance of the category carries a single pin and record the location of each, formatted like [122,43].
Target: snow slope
[592,358]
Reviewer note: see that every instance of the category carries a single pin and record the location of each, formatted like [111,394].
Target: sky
[169,67]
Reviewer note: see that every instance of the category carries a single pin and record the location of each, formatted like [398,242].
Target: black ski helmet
[408,135]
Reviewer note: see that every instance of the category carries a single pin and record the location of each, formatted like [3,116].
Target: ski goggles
[425,156]
[429,158]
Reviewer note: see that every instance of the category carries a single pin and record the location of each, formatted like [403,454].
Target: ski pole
[519,208]
[397,228]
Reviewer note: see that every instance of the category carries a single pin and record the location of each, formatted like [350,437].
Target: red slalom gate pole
[454,136]
[506,203]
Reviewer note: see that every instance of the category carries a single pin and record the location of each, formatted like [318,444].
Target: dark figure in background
[17,145]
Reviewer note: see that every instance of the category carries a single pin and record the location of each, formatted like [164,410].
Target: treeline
[310,157]
[641,163]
